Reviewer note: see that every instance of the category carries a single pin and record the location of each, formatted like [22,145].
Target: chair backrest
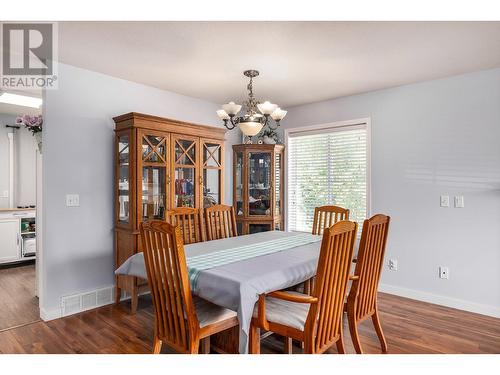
[324,322]
[175,316]
[220,221]
[326,216]
[189,221]
[369,264]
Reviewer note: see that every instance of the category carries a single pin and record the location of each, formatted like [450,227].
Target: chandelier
[257,114]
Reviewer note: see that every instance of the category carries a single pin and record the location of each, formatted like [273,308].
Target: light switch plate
[393,264]
[445,201]
[459,201]
[72,200]
[5,194]
[444,272]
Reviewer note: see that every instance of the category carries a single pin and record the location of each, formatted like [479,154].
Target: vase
[269,141]
[38,138]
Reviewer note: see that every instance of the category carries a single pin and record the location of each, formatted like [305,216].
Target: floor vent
[86,301]
[71,305]
[89,300]
[104,296]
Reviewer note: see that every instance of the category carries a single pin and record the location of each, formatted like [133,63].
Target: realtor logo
[28,56]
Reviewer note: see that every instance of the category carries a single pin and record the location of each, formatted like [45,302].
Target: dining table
[233,272]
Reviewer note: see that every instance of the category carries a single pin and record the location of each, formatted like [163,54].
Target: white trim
[455,303]
[39,288]
[11,169]
[47,315]
[338,124]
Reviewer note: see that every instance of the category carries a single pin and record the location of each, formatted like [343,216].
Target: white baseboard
[493,311]
[77,303]
[441,300]
[59,312]
[47,315]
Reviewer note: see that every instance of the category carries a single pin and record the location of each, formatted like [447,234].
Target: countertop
[16,209]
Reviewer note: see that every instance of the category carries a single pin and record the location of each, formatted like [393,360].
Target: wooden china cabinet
[258,187]
[160,164]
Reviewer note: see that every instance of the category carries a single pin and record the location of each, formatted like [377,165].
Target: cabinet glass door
[238,181]
[277,184]
[185,162]
[123,175]
[259,183]
[154,176]
[212,173]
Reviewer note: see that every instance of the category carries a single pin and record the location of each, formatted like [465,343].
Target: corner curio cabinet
[160,164]
[258,187]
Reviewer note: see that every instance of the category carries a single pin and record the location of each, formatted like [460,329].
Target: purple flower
[32,123]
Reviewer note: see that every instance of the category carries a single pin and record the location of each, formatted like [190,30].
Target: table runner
[196,264]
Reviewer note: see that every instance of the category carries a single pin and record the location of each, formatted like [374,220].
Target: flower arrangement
[270,136]
[32,123]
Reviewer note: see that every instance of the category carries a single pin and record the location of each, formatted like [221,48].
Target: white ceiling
[18,110]
[299,62]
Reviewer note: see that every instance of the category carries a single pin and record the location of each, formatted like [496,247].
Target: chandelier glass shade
[257,114]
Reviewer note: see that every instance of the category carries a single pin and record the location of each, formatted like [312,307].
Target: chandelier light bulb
[222,114]
[278,114]
[231,108]
[267,107]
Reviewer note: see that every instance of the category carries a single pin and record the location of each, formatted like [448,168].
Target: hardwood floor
[18,304]
[410,327]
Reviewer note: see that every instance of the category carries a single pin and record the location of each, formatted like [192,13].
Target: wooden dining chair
[315,320]
[220,222]
[326,216]
[190,222]
[362,298]
[181,320]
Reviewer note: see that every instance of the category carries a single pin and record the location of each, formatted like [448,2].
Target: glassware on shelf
[277,185]
[239,184]
[212,173]
[259,176]
[185,190]
[153,192]
[123,178]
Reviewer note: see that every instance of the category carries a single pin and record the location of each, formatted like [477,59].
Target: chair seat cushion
[209,313]
[290,314]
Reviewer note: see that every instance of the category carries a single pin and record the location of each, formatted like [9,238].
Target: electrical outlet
[393,264]
[72,200]
[444,272]
[459,201]
[445,201]
[5,194]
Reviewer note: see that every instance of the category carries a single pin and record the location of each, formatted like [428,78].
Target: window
[327,166]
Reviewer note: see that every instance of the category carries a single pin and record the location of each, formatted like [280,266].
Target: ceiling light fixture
[22,100]
[257,113]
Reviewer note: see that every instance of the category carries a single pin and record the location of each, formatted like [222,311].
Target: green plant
[270,133]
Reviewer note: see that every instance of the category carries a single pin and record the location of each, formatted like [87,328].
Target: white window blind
[326,167]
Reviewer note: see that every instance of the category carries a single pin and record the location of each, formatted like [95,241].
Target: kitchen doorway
[20,196]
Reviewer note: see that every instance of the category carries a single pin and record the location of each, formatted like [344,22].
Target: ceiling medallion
[257,113]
